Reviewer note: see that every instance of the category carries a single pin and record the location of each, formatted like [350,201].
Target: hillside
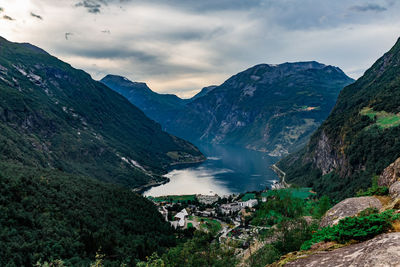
[271,108]
[48,215]
[159,107]
[358,139]
[54,116]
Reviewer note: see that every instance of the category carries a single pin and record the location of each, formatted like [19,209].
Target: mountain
[203,92]
[55,116]
[271,108]
[358,139]
[159,107]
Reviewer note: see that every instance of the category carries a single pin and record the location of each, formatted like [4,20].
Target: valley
[291,164]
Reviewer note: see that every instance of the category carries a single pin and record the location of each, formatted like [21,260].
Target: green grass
[190,225]
[303,192]
[383,118]
[211,225]
[174,199]
[248,196]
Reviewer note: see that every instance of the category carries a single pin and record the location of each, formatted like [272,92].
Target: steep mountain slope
[52,115]
[359,138]
[272,108]
[159,107]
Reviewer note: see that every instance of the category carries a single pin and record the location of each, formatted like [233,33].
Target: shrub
[354,228]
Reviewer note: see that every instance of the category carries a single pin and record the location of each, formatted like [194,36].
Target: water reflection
[192,181]
[227,170]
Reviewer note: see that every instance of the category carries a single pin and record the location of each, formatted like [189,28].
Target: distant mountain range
[270,108]
[55,116]
[359,138]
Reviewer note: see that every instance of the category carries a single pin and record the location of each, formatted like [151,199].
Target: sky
[180,46]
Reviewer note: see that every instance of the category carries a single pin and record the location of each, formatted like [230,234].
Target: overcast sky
[180,46]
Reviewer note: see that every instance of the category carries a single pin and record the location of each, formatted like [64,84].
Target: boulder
[394,190]
[390,174]
[348,208]
[383,250]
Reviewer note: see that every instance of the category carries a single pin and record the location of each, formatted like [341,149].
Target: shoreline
[281,174]
[173,166]
[143,188]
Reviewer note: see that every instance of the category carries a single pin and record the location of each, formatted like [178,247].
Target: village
[224,216]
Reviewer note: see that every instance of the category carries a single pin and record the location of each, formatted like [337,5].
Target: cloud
[180,46]
[8,17]
[36,16]
[92,6]
[368,7]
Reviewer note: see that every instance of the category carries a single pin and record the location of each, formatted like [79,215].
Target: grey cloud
[92,6]
[368,7]
[36,16]
[194,34]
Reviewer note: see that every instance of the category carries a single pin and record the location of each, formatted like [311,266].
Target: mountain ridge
[252,108]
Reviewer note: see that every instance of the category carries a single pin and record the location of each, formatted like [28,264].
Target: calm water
[227,170]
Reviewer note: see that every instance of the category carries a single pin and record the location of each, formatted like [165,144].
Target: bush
[374,190]
[354,228]
[266,255]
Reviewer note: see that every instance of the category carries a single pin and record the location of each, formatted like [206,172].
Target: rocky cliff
[359,138]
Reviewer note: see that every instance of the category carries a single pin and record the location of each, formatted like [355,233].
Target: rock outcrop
[383,250]
[348,208]
[394,190]
[390,175]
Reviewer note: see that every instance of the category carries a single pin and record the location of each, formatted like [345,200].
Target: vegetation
[175,199]
[382,118]
[374,190]
[358,228]
[211,225]
[286,213]
[53,115]
[47,215]
[360,135]
[198,251]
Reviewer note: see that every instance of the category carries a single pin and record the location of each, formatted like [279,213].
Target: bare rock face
[383,250]
[390,175]
[348,208]
[394,190]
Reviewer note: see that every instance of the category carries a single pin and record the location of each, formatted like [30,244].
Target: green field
[210,225]
[303,193]
[383,118]
[174,199]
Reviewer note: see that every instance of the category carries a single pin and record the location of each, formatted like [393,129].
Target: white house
[249,203]
[181,217]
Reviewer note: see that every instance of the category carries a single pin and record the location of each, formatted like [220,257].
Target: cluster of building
[237,206]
